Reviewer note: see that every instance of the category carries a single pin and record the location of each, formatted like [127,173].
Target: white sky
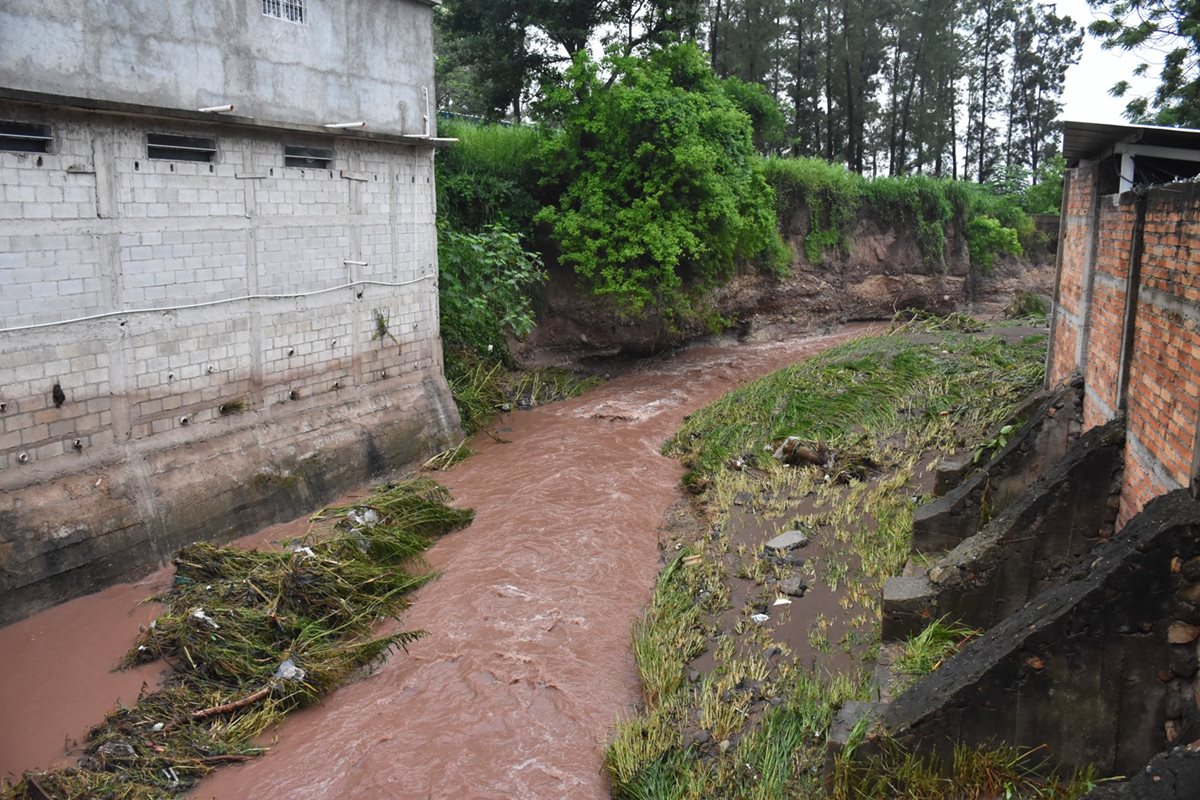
[1086,97]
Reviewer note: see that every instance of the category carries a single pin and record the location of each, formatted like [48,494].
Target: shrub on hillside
[658,188]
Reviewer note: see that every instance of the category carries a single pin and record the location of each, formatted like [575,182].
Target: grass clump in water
[252,635]
[482,387]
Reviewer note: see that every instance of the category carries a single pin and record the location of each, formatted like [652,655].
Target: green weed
[925,652]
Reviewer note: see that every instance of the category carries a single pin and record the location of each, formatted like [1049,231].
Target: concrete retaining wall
[1050,422]
[1099,670]
[1026,547]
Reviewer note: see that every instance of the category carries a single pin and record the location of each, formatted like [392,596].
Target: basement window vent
[25,137]
[314,157]
[290,10]
[180,148]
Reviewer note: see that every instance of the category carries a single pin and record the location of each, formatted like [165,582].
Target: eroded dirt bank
[514,691]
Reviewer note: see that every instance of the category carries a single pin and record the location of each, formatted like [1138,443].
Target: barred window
[25,137]
[290,10]
[180,148]
[315,157]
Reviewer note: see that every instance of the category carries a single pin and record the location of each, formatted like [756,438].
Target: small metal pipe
[217,109]
[346,125]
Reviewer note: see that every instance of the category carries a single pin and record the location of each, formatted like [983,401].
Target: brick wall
[1161,392]
[190,313]
[1074,259]
[1109,275]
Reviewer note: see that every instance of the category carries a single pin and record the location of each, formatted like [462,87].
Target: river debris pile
[805,483]
[252,635]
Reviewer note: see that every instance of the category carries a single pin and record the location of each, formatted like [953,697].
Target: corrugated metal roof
[1095,139]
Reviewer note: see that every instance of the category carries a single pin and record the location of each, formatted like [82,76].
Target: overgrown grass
[855,397]
[490,176]
[754,725]
[835,197]
[252,635]
[988,773]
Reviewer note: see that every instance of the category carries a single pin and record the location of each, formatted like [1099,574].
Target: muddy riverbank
[514,692]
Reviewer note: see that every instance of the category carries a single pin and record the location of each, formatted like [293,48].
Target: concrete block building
[218,273]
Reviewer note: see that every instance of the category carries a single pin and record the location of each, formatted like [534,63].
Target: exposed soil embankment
[882,271]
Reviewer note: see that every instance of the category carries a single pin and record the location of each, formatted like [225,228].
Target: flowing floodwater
[527,663]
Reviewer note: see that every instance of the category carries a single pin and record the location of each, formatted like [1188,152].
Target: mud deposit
[527,662]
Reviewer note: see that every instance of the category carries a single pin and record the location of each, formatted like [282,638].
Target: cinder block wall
[235,342]
[1099,326]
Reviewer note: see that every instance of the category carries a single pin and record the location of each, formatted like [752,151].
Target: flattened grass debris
[252,635]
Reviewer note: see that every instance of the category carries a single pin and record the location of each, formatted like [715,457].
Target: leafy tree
[1045,195]
[1171,27]
[766,115]
[494,56]
[658,185]
[1044,46]
[485,58]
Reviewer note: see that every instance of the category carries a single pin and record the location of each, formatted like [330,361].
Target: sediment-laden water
[527,662]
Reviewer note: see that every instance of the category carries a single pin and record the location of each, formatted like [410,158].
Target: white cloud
[1085,96]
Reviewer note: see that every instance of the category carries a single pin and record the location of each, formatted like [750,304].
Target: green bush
[766,115]
[486,279]
[659,191]
[988,238]
[1045,196]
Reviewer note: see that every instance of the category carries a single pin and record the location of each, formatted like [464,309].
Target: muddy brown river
[527,663]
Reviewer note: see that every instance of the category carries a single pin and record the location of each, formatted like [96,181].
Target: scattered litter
[156,727]
[781,601]
[200,615]
[288,671]
[759,619]
[116,750]
[303,550]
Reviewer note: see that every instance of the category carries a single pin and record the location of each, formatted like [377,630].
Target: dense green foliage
[987,238]
[1170,29]
[489,177]
[486,279]
[1045,196]
[658,189]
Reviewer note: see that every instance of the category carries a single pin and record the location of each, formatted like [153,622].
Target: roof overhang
[159,113]
[1095,140]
